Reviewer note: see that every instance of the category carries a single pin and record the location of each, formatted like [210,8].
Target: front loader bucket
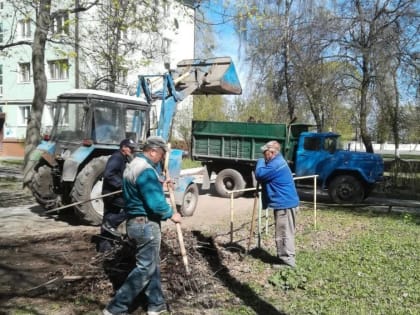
[209,76]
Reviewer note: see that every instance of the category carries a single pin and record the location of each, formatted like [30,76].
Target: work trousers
[113,211]
[285,227]
[146,275]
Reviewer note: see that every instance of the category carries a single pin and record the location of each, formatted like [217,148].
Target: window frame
[1,32]
[24,114]
[1,80]
[24,75]
[25,29]
[58,69]
[61,25]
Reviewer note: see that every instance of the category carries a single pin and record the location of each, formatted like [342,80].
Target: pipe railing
[232,192]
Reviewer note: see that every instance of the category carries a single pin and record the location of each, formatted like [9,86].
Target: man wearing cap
[145,207]
[114,204]
[279,193]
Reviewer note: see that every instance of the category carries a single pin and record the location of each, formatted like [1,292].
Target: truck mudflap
[43,149]
[181,185]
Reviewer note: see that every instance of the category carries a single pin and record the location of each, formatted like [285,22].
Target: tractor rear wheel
[42,188]
[88,185]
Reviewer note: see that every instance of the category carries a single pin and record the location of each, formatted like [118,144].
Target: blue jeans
[146,275]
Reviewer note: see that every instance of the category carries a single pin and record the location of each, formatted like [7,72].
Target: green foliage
[11,162]
[188,163]
[209,107]
[289,279]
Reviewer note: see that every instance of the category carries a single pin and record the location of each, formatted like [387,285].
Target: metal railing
[232,192]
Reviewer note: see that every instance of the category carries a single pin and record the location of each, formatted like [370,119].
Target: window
[330,144]
[1,32]
[61,24]
[25,28]
[166,45]
[312,144]
[135,124]
[1,5]
[122,76]
[24,112]
[58,69]
[24,72]
[1,80]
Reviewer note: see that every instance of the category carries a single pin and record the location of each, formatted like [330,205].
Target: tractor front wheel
[189,201]
[42,188]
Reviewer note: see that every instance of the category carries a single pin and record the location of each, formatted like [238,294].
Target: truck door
[313,151]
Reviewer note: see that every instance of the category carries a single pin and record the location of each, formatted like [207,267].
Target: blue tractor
[88,126]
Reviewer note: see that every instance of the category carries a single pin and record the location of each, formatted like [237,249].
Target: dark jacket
[113,174]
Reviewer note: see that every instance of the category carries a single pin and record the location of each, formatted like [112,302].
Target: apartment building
[71,60]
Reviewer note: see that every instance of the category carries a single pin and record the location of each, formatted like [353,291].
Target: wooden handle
[173,204]
[83,201]
[254,214]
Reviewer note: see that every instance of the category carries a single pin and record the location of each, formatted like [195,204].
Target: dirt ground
[49,263]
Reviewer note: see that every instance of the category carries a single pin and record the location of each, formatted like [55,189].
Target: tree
[43,22]
[288,46]
[118,16]
[128,35]
[33,128]
[209,107]
[367,26]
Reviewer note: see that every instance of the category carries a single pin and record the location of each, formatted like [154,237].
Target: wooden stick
[173,204]
[80,202]
[254,214]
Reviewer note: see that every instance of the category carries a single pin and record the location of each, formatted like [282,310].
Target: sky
[227,42]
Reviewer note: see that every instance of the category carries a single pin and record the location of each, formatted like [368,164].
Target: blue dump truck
[230,150]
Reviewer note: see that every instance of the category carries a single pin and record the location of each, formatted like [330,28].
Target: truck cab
[348,176]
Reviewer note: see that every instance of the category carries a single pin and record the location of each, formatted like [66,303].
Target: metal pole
[231,217]
[80,202]
[259,220]
[315,202]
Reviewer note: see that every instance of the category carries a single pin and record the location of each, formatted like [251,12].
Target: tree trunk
[364,132]
[33,136]
[287,76]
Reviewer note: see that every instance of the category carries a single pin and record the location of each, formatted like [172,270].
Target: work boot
[159,310]
[106,312]
[111,230]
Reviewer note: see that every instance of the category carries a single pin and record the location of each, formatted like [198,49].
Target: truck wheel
[346,189]
[88,185]
[42,188]
[189,201]
[228,180]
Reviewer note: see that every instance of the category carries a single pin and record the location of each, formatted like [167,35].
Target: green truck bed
[233,140]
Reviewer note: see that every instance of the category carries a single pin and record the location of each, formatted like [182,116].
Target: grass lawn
[353,263]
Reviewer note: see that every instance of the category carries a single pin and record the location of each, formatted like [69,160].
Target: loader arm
[213,76]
